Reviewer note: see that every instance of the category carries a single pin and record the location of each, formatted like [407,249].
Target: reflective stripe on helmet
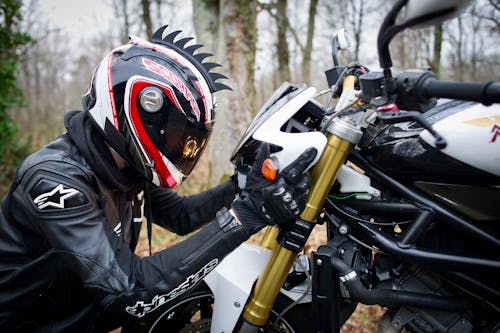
[104,106]
[166,171]
[202,86]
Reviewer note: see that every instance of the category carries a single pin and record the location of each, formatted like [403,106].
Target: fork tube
[323,175]
[269,238]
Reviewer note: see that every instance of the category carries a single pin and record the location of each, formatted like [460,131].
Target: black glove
[266,202]
[294,235]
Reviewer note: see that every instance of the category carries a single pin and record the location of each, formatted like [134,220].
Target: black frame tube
[391,298]
[436,260]
[445,214]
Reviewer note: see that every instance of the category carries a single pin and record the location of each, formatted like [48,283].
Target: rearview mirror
[341,41]
[424,13]
[344,39]
[413,13]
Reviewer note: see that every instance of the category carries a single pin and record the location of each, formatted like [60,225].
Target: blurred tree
[11,150]
[44,69]
[278,11]
[146,17]
[142,18]
[488,10]
[306,64]
[435,63]
[122,11]
[352,14]
[283,53]
[229,28]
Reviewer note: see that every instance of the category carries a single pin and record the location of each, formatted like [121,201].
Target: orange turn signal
[269,169]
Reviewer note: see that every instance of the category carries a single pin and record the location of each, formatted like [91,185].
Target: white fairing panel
[231,282]
[293,144]
[473,137]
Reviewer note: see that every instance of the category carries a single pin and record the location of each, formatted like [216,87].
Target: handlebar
[486,93]
[421,86]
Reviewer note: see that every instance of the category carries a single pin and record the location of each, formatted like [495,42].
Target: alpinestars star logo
[140,309]
[55,198]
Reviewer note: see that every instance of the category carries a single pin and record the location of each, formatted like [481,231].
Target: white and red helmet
[154,103]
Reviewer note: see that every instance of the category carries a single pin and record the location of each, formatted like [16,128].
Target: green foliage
[11,149]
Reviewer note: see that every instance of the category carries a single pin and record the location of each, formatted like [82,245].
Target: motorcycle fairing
[269,126]
[475,129]
[399,150]
[232,281]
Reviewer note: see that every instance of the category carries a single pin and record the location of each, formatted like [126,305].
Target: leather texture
[67,244]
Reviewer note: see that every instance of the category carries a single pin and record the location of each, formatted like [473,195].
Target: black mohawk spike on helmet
[196,59]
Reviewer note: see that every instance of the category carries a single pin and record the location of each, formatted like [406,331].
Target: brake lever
[393,117]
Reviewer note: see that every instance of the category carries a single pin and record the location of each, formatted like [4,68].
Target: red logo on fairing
[496,132]
[493,121]
[171,77]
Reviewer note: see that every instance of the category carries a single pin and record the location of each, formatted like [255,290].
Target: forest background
[45,66]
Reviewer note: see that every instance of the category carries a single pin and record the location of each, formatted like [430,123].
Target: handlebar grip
[486,93]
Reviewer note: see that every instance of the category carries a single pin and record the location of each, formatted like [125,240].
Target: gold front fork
[269,284]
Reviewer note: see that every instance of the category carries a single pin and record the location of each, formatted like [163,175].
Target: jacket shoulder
[56,178]
[59,156]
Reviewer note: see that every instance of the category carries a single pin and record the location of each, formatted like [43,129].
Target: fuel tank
[465,175]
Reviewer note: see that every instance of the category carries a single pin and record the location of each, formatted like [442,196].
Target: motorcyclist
[70,222]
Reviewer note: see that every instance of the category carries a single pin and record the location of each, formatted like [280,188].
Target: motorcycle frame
[450,265]
[257,308]
[406,249]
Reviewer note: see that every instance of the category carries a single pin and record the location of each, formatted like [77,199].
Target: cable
[297,301]
[347,196]
[351,237]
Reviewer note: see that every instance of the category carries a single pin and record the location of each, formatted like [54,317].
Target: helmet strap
[147,213]
[120,163]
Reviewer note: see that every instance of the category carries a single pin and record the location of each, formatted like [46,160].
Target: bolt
[237,304]
[319,262]
[396,322]
[343,229]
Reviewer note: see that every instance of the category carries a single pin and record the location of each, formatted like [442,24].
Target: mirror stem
[386,33]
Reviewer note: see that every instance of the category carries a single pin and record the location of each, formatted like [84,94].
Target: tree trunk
[306,63]
[460,51]
[121,10]
[206,25]
[229,26]
[358,26]
[146,17]
[282,46]
[438,42]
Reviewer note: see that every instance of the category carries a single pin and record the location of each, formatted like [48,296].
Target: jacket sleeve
[183,214]
[70,216]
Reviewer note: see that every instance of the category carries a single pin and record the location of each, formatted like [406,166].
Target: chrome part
[151,99]
[346,130]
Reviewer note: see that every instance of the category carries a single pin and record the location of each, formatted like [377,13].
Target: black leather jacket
[67,244]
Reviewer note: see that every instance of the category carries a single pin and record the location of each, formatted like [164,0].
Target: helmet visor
[179,139]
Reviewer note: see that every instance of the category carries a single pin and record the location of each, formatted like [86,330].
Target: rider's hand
[293,236]
[266,202]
